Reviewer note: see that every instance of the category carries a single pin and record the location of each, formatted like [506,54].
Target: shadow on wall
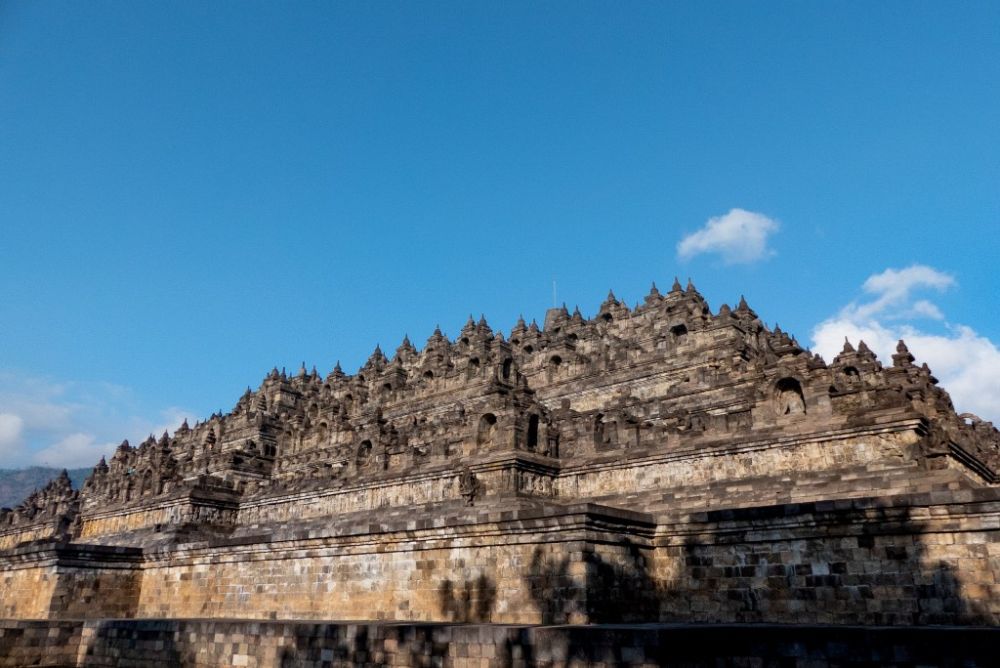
[468,601]
[884,576]
[359,645]
[892,574]
[613,592]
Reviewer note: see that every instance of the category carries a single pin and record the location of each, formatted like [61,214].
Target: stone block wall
[225,643]
[903,560]
[507,567]
[26,590]
[63,581]
[913,560]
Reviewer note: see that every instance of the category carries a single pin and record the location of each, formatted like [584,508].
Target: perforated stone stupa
[663,463]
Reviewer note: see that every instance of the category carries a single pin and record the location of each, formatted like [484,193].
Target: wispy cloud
[738,237]
[71,424]
[893,287]
[11,427]
[967,363]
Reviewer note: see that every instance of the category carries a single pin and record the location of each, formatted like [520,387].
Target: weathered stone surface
[656,464]
[219,643]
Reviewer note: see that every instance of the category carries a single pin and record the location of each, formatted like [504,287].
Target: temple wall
[160,512]
[502,475]
[905,560]
[511,571]
[618,472]
[829,563]
[869,562]
[693,467]
[26,590]
[60,581]
[201,643]
[13,537]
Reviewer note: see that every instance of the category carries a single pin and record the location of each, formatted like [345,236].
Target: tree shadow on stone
[320,645]
[147,643]
[886,573]
[467,602]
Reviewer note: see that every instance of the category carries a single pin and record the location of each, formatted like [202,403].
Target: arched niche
[605,432]
[364,455]
[788,396]
[486,431]
[531,439]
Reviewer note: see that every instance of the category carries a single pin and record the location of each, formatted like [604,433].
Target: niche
[505,370]
[322,434]
[790,400]
[364,457]
[605,432]
[147,483]
[532,441]
[679,332]
[487,430]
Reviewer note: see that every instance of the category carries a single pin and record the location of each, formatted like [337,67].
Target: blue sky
[192,193]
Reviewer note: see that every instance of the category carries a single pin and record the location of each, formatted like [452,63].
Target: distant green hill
[16,484]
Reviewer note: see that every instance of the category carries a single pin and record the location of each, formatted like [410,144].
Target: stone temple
[654,485]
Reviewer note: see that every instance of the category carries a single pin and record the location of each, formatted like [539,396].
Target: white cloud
[926,309]
[893,287]
[966,363]
[72,424]
[11,427]
[74,451]
[739,237]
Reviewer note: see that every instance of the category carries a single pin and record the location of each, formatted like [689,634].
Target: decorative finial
[902,358]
